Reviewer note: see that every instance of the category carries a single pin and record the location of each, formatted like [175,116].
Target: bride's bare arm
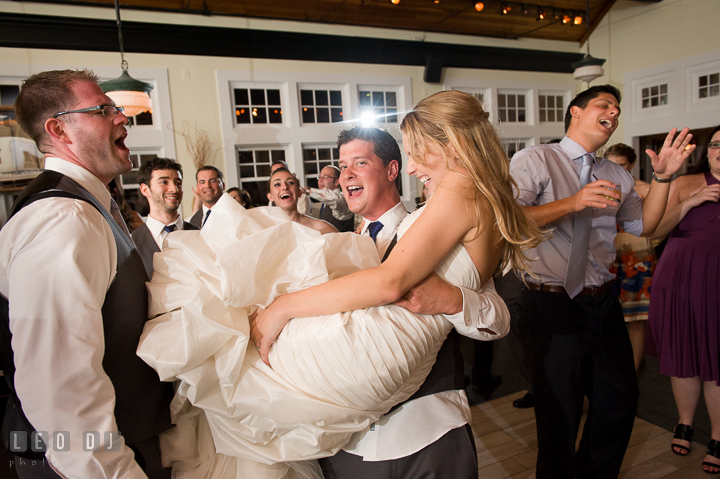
[448,218]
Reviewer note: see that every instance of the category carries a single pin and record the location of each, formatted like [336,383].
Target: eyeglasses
[325,177]
[107,110]
[714,145]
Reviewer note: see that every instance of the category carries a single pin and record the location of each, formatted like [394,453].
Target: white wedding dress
[331,376]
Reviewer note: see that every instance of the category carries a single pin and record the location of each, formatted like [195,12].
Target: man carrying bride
[349,355]
[429,433]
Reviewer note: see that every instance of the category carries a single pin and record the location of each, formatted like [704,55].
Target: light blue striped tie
[577,259]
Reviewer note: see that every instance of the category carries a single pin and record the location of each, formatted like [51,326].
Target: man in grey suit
[210,188]
[161,182]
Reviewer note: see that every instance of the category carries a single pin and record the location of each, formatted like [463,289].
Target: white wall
[633,36]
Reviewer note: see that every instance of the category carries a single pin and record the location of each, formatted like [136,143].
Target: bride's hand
[264,329]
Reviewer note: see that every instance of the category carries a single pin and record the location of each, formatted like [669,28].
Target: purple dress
[685,303]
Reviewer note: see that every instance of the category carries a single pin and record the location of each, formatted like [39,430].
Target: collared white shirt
[157,229]
[546,173]
[57,260]
[422,421]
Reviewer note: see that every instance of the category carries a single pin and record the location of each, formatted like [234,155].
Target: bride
[336,367]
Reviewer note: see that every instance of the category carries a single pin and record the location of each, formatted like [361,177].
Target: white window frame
[683,109]
[384,89]
[265,86]
[532,130]
[293,134]
[527,100]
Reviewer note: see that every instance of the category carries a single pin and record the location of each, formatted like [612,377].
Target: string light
[541,15]
[506,9]
[395,1]
[479,6]
[566,19]
[578,20]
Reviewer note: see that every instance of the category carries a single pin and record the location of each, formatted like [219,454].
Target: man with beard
[77,299]
[160,182]
[209,189]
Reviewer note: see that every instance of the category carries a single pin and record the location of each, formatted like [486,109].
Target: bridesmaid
[685,305]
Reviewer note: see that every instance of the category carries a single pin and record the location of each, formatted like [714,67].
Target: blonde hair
[458,120]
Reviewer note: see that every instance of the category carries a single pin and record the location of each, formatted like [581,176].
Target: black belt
[553,288]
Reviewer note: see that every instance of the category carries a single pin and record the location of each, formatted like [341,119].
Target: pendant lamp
[125,91]
[589,68]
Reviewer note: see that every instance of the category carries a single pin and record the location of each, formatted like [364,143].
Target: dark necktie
[374,228]
[170,228]
[207,215]
[577,259]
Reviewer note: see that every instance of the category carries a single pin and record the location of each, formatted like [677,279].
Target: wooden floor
[507,446]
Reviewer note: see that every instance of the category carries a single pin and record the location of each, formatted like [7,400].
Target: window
[382,105]
[656,95]
[130,186]
[144,118]
[709,85]
[514,145]
[321,106]
[254,168]
[317,158]
[257,105]
[551,108]
[511,107]
[17,150]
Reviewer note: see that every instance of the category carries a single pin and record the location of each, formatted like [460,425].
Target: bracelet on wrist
[661,180]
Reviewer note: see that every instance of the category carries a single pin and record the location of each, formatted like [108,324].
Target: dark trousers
[453,456]
[508,287]
[147,455]
[579,347]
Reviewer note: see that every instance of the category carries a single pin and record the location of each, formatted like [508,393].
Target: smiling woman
[284,192]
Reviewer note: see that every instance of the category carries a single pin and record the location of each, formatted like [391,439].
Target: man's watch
[661,180]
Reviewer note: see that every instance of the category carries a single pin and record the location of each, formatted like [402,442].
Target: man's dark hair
[209,167]
[384,145]
[583,98]
[157,163]
[621,149]
[44,94]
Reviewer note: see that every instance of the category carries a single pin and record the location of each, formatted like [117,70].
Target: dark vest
[142,402]
[447,374]
[147,247]
[341,225]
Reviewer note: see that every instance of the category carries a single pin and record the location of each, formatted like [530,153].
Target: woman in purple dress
[685,304]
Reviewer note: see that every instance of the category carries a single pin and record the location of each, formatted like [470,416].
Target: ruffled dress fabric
[331,375]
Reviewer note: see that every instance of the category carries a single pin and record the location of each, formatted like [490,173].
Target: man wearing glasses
[74,283]
[334,208]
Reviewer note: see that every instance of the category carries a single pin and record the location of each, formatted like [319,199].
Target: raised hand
[673,153]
